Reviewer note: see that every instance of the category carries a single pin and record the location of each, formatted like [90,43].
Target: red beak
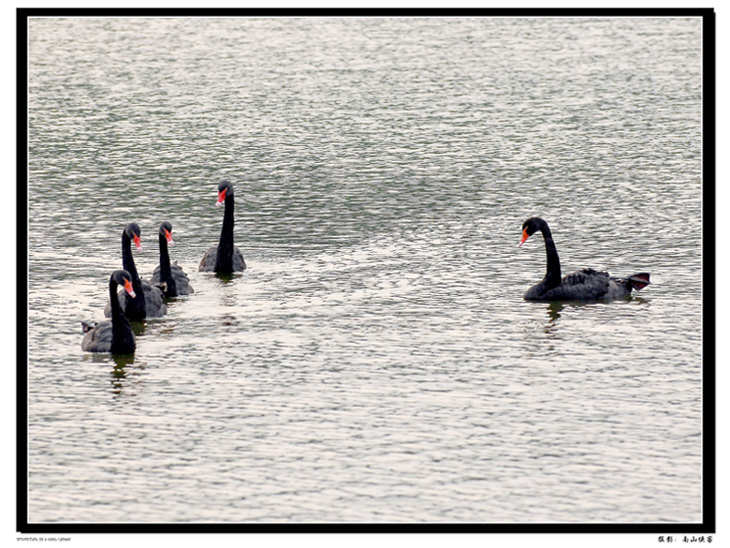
[137,242]
[221,197]
[128,288]
[525,235]
[168,235]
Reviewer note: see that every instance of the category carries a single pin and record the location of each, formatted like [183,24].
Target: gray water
[376,361]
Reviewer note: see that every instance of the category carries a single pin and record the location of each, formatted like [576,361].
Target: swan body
[224,258]
[207,264]
[150,301]
[170,277]
[113,335]
[583,285]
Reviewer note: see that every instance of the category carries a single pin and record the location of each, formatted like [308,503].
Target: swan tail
[639,281]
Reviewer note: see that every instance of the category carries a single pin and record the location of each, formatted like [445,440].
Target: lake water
[376,361]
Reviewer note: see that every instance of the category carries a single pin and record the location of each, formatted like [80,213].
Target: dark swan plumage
[150,302]
[224,258]
[170,277]
[113,335]
[583,285]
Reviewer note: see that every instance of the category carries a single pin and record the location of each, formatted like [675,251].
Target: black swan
[171,277]
[113,335]
[224,258]
[150,300]
[583,285]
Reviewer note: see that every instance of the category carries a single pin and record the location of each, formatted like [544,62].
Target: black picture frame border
[709,494]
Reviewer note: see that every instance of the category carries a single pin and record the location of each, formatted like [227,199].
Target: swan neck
[552,276]
[122,336]
[164,258]
[114,299]
[128,260]
[224,258]
[135,307]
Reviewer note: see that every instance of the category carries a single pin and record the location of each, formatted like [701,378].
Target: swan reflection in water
[553,310]
[119,373]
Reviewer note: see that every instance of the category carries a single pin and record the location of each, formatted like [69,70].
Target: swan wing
[238,263]
[154,300]
[99,338]
[207,263]
[583,285]
[182,282]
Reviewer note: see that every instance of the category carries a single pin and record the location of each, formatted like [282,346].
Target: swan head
[123,278]
[166,231]
[134,233]
[529,227]
[225,190]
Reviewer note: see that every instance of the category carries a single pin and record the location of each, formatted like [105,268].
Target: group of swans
[140,299]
